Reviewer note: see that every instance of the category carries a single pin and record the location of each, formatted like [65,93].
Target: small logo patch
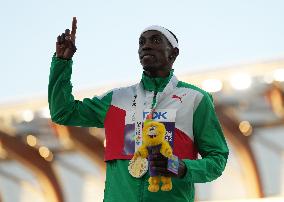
[178,97]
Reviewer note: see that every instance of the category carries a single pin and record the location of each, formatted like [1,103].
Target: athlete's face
[154,51]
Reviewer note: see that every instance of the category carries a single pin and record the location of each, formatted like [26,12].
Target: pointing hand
[65,45]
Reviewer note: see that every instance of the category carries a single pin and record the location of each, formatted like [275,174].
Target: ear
[174,54]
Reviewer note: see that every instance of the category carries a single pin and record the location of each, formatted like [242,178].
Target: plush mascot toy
[154,142]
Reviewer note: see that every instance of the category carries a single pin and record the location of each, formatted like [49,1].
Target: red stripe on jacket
[184,147]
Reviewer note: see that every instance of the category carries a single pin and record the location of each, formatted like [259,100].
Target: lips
[146,55]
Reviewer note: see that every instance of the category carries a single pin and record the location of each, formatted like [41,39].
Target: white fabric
[185,109]
[144,101]
[165,32]
[139,115]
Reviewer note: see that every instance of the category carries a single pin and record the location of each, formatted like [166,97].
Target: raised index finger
[74,28]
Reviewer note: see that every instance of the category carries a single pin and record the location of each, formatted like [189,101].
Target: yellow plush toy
[153,134]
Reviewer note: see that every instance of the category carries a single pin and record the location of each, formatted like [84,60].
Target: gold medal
[137,168]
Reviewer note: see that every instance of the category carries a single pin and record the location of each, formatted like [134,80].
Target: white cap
[165,32]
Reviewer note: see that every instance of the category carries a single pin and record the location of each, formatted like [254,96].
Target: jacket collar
[156,84]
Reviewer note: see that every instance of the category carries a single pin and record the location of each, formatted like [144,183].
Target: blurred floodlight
[44,151]
[45,112]
[28,115]
[240,81]
[212,85]
[278,74]
[31,140]
[246,128]
[50,157]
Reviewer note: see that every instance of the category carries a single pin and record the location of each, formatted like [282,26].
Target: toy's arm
[142,151]
[166,149]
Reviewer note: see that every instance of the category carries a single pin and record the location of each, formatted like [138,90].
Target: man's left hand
[159,165]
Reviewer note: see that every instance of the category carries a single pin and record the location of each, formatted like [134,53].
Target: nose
[146,48]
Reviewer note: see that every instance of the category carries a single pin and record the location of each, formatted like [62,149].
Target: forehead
[152,33]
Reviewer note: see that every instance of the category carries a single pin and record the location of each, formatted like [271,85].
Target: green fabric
[119,181]
[91,113]
[67,111]
[211,144]
[209,139]
[156,84]
[182,84]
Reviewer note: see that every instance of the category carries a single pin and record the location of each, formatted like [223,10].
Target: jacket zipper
[143,179]
[154,101]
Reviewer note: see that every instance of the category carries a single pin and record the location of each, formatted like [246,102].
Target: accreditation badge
[138,167]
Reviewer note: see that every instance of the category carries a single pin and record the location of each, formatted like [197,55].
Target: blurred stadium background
[45,162]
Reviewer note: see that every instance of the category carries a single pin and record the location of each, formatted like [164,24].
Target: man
[193,125]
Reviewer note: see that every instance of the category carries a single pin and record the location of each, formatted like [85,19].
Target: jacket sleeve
[211,144]
[64,109]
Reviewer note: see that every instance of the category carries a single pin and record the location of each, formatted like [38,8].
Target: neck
[154,74]
[160,72]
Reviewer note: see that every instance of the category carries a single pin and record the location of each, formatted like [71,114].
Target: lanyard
[138,104]
[139,109]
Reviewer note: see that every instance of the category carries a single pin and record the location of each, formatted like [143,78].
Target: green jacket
[196,130]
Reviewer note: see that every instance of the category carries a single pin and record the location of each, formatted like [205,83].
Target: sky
[211,34]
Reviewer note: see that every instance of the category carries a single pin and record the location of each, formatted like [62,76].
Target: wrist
[62,58]
[182,169]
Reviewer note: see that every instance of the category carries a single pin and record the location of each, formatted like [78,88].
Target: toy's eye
[152,128]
